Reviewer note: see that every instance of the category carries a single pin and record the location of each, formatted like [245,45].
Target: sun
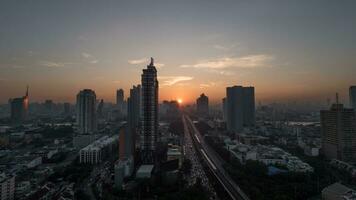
[180,101]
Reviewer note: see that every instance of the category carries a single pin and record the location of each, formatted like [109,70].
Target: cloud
[89,56]
[221,72]
[171,80]
[145,60]
[207,85]
[138,61]
[86,55]
[250,61]
[54,64]
[219,47]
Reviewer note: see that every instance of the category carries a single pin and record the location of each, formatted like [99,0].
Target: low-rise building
[95,152]
[338,191]
[7,187]
[145,171]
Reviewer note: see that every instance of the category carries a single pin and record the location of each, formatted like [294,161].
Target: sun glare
[180,101]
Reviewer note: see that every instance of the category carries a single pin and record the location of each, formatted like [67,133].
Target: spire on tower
[152,61]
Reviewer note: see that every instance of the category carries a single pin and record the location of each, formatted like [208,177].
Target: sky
[288,50]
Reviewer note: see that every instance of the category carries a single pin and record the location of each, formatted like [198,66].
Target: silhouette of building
[239,108]
[86,111]
[352,93]
[133,118]
[338,128]
[120,99]
[149,98]
[203,106]
[19,108]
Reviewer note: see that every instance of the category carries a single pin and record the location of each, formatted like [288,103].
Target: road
[214,161]
[197,170]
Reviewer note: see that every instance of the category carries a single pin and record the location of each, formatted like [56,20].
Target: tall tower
[86,111]
[120,99]
[239,107]
[149,100]
[203,105]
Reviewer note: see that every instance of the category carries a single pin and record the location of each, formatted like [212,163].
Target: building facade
[338,128]
[203,106]
[239,108]
[19,108]
[149,99]
[86,111]
[7,187]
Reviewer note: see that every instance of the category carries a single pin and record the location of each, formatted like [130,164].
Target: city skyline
[198,49]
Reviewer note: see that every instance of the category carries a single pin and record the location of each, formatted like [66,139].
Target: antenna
[151,61]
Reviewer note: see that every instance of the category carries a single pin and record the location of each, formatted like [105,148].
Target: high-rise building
[248,106]
[133,118]
[19,108]
[86,111]
[203,106]
[134,106]
[338,128]
[352,93]
[120,99]
[239,108]
[149,132]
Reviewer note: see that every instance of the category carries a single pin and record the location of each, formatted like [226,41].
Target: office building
[19,108]
[7,187]
[149,98]
[203,106]
[134,107]
[239,108]
[338,128]
[86,111]
[133,118]
[248,106]
[352,93]
[120,99]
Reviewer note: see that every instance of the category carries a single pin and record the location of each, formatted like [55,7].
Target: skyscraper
[86,111]
[239,107]
[203,106]
[19,108]
[120,99]
[338,128]
[248,106]
[352,93]
[149,97]
[133,118]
